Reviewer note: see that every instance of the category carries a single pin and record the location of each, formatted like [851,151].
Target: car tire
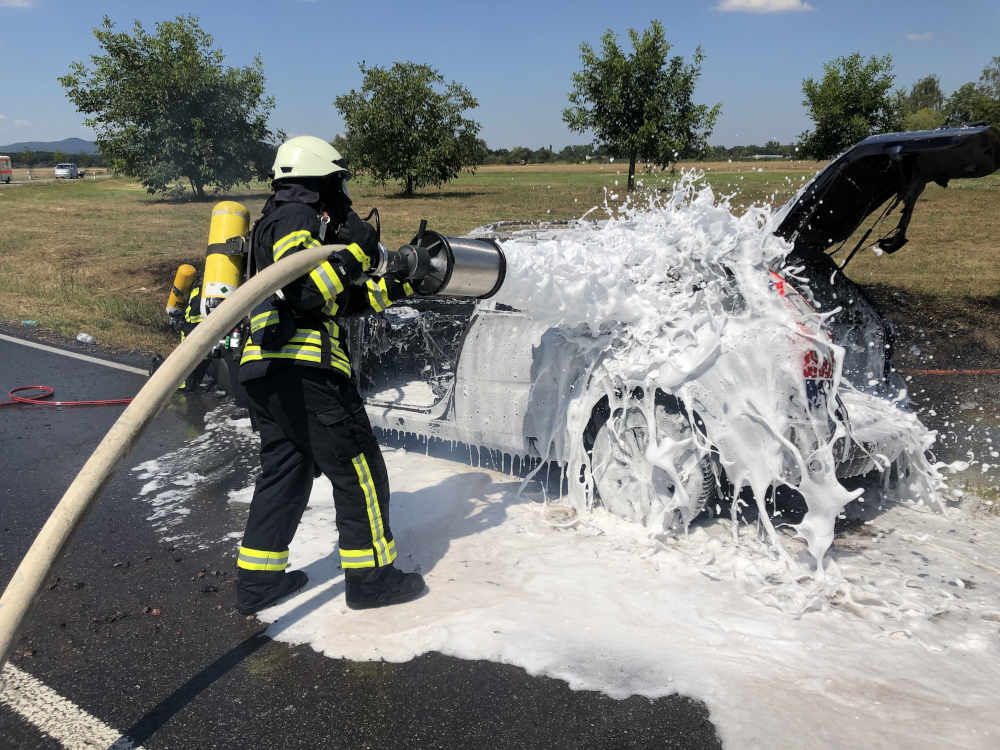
[628,485]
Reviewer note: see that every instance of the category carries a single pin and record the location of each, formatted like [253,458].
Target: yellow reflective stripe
[327,280]
[357,558]
[383,552]
[188,317]
[378,294]
[263,320]
[367,563]
[307,353]
[253,353]
[360,256]
[313,338]
[290,240]
[366,552]
[407,289]
[258,559]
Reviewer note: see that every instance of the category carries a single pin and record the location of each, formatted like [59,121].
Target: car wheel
[632,487]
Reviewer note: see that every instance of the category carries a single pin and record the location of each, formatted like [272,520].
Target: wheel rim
[631,486]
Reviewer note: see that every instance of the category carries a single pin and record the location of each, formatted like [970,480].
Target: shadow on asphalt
[143,729]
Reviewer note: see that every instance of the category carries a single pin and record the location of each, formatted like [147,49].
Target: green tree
[964,105]
[406,126]
[339,142]
[989,91]
[640,104]
[977,102]
[575,153]
[989,81]
[850,103]
[923,119]
[924,94]
[165,107]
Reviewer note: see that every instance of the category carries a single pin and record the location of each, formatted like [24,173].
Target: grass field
[100,256]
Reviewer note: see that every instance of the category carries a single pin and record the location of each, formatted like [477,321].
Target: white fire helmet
[307,156]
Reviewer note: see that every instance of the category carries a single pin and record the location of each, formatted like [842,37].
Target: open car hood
[877,169]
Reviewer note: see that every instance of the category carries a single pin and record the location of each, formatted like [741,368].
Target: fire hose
[45,391]
[436,264]
[117,443]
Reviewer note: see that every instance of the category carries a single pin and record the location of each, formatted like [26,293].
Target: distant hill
[66,145]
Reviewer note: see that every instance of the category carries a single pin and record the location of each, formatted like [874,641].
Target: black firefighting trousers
[313,420]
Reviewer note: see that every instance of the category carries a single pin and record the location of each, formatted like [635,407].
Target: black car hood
[860,180]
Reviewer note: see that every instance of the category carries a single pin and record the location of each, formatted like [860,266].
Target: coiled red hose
[46,391]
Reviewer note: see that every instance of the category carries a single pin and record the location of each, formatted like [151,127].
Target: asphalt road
[145,638]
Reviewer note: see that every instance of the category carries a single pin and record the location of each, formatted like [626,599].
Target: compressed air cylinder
[183,281]
[225,256]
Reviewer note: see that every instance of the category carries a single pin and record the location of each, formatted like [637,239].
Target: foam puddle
[895,643]
[903,653]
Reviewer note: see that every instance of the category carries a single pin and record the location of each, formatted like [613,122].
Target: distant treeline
[577,154]
[26,158]
[519,154]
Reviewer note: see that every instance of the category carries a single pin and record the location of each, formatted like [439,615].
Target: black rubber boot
[380,587]
[256,590]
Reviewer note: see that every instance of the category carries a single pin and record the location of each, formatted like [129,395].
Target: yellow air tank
[183,282]
[226,252]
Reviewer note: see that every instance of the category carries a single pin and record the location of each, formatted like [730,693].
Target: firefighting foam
[678,294]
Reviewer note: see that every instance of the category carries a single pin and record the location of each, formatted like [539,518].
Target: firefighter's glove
[357,231]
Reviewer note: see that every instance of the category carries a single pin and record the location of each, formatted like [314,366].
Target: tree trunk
[198,188]
[631,172]
[409,185]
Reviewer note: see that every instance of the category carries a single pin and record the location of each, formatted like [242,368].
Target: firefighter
[192,317]
[297,374]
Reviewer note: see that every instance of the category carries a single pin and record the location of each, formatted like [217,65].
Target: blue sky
[516,57]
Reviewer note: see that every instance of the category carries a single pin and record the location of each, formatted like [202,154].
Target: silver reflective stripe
[273,559]
[366,559]
[288,241]
[333,287]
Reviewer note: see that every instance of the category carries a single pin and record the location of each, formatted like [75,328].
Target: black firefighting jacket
[302,325]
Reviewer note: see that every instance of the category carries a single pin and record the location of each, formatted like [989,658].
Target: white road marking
[57,717]
[74,355]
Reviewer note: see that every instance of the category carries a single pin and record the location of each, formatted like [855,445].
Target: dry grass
[100,256]
[953,248]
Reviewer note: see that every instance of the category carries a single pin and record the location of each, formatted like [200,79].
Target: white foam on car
[676,295]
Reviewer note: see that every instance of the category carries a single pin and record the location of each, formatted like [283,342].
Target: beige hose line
[35,566]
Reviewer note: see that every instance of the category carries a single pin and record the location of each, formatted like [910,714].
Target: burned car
[485,373]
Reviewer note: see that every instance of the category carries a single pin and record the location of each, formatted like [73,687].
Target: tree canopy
[851,102]
[924,94]
[165,107]
[405,125]
[640,105]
